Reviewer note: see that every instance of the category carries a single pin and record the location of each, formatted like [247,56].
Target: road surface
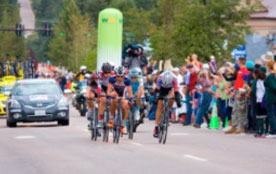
[27,15]
[46,148]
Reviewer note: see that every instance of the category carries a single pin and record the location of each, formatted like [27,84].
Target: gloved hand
[177,99]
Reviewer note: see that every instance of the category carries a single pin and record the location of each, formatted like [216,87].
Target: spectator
[190,93]
[240,104]
[205,89]
[270,97]
[223,97]
[258,93]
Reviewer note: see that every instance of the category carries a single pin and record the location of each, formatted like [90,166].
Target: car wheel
[63,122]
[11,124]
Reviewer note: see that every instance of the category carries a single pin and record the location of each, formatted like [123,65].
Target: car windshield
[27,89]
[4,89]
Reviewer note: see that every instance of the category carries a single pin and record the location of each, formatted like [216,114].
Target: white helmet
[83,67]
[167,78]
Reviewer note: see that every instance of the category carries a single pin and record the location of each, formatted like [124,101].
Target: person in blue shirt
[137,86]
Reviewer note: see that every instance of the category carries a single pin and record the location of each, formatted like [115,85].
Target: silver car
[37,100]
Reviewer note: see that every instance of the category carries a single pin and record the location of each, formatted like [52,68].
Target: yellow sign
[111,20]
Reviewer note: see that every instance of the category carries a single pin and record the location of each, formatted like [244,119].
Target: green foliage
[191,26]
[176,28]
[10,44]
[47,9]
[71,45]
[91,60]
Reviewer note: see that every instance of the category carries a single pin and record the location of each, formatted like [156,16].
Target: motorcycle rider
[80,76]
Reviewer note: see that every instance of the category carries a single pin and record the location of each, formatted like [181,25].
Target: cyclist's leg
[171,101]
[158,112]
[139,95]
[90,95]
[101,105]
[113,104]
[125,109]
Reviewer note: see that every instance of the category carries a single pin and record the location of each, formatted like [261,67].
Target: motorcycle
[81,100]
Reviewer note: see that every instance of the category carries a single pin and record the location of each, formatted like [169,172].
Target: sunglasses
[133,77]
[119,76]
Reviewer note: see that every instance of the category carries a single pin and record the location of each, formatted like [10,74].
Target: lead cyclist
[166,85]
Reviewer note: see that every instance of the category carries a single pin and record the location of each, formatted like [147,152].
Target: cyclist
[116,88]
[166,85]
[104,80]
[93,91]
[137,87]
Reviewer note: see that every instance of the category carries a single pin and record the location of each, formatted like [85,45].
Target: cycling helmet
[135,72]
[167,78]
[106,68]
[83,67]
[120,71]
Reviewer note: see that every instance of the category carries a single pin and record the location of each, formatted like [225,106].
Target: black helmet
[106,68]
[120,71]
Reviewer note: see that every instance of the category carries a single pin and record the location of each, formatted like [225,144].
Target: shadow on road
[2,117]
[38,126]
[32,126]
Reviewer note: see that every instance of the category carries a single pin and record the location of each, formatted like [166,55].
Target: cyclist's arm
[129,90]
[109,89]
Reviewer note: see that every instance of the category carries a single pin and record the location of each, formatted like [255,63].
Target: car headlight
[14,104]
[63,102]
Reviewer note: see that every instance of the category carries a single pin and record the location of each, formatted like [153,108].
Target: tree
[9,42]
[202,27]
[74,39]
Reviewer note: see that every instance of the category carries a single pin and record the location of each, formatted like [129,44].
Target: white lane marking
[195,158]
[24,137]
[136,144]
[179,134]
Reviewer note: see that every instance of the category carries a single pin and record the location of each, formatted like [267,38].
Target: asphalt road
[46,148]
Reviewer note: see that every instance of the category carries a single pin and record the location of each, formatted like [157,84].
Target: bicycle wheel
[161,132]
[114,130]
[118,134]
[131,124]
[91,129]
[95,124]
[166,125]
[105,126]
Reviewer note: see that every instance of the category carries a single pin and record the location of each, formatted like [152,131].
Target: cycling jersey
[95,89]
[136,85]
[104,81]
[173,85]
[119,87]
